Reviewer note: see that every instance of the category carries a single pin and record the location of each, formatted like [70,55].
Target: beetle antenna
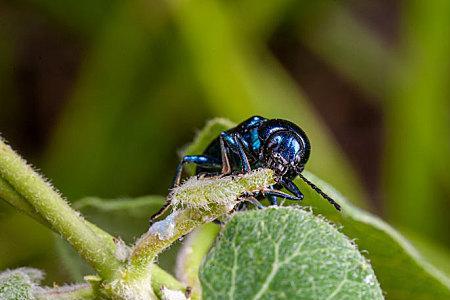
[325,196]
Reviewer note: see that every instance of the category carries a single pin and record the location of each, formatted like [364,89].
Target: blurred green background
[101,95]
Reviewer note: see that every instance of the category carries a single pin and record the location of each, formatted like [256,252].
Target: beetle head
[286,152]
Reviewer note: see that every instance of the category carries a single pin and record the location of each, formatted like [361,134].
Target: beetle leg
[255,202]
[218,222]
[272,199]
[244,160]
[160,212]
[276,193]
[203,160]
[226,167]
[291,187]
[234,142]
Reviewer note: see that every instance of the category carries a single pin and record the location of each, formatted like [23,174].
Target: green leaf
[209,132]
[286,253]
[191,254]
[437,254]
[17,247]
[19,283]
[401,270]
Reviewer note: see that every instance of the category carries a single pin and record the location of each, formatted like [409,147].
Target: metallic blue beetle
[259,143]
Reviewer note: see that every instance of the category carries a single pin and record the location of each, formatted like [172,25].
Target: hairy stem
[200,200]
[8,194]
[49,205]
[28,192]
[151,244]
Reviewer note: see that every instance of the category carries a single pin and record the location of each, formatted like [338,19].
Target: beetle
[258,142]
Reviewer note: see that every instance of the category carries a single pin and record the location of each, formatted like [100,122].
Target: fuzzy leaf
[19,283]
[286,253]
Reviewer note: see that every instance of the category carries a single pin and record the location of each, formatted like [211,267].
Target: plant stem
[151,244]
[49,204]
[204,200]
[162,278]
[8,194]
[24,189]
[73,292]
[192,253]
